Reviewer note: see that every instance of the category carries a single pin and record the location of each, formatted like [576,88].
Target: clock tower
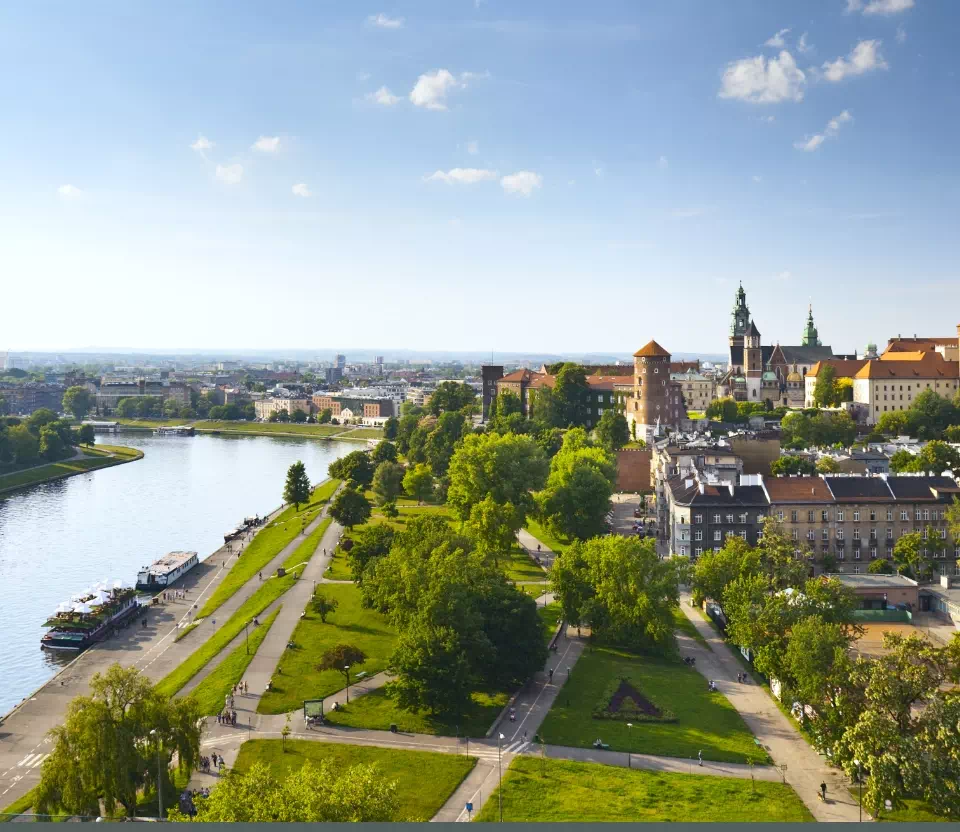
[739,323]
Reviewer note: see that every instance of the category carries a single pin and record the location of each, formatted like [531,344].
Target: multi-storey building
[369,410]
[110,392]
[697,389]
[897,378]
[265,408]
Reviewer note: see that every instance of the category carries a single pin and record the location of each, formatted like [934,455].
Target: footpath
[152,649]
[804,768]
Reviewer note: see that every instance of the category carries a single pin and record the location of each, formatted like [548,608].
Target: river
[59,538]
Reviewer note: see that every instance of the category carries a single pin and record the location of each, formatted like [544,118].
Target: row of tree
[930,416]
[39,438]
[893,717]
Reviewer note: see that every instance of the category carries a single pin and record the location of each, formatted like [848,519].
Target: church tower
[811,337]
[739,321]
[753,362]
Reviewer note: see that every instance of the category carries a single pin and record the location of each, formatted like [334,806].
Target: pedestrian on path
[551,674]
[700,757]
[261,575]
[823,791]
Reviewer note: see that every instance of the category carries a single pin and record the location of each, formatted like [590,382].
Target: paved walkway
[805,768]
[529,544]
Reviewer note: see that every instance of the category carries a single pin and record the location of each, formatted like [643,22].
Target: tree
[52,447]
[39,418]
[440,442]
[825,393]
[906,552]
[722,410]
[494,527]
[350,508]
[450,396]
[893,423]
[621,588]
[789,465]
[106,751]
[296,489]
[432,670]
[298,416]
[24,447]
[937,457]
[880,566]
[77,400]
[383,452]
[370,543]
[507,468]
[570,397]
[418,482]
[903,461]
[171,408]
[341,658]
[314,794]
[390,427]
[323,606]
[387,482]
[325,415]
[356,468]
[827,465]
[612,431]
[713,571]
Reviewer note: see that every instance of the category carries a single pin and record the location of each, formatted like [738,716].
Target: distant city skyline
[547,177]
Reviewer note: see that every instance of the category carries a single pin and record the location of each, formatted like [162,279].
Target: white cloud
[462,176]
[864,57]
[884,7]
[663,163]
[901,35]
[230,174]
[763,81]
[768,119]
[523,182]
[301,189]
[383,96]
[803,46]
[431,89]
[473,147]
[814,142]
[756,178]
[267,144]
[783,277]
[777,41]
[597,171]
[363,76]
[385,22]
[69,192]
[202,143]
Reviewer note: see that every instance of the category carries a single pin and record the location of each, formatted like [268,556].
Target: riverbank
[94,458]
[345,432]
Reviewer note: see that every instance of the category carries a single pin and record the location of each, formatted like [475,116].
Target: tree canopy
[451,396]
[356,467]
[78,401]
[296,488]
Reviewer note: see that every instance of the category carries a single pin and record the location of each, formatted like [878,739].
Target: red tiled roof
[652,350]
[843,367]
[797,490]
[523,375]
[930,365]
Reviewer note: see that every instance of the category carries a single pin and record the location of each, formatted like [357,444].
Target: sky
[546,176]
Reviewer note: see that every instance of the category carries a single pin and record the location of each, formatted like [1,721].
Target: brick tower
[649,406]
[753,362]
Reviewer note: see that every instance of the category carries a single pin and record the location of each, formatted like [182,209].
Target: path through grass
[541,533]
[559,790]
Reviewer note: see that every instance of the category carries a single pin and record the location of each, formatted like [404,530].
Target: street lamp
[346,669]
[153,733]
[629,725]
[500,774]
[860,788]
[246,635]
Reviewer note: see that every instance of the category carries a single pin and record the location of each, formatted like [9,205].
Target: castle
[772,374]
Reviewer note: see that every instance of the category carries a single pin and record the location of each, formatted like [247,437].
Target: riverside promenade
[24,743]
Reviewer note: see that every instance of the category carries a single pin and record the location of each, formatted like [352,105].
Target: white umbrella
[101,599]
[101,586]
[118,584]
[64,607]
[82,608]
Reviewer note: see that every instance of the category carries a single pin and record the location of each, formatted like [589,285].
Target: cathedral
[771,374]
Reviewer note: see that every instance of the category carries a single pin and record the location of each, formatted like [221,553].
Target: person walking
[700,757]
[823,792]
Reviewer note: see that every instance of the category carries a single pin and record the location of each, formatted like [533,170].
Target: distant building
[112,391]
[332,375]
[892,382]
[340,362]
[372,411]
[656,402]
[697,389]
[265,408]
[490,374]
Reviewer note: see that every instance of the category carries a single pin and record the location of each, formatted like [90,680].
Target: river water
[59,538]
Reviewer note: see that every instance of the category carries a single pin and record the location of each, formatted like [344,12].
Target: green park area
[258,428]
[94,458]
[687,627]
[425,779]
[558,790]
[267,544]
[556,543]
[671,712]
[350,623]
[550,615]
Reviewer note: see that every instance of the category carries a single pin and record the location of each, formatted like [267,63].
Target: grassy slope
[266,545]
[705,721]
[550,615]
[424,779]
[558,790]
[376,710]
[24,804]
[687,627]
[349,624]
[212,691]
[94,460]
[519,566]
[540,532]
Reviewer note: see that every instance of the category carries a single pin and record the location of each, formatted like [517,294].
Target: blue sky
[548,176]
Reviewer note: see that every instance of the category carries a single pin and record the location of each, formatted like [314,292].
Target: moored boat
[90,616]
[164,571]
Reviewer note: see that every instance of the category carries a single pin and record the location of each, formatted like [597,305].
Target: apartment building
[704,515]
[265,408]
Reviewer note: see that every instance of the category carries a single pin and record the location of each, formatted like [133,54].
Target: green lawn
[350,624]
[24,804]
[375,710]
[302,554]
[363,433]
[552,542]
[93,460]
[425,779]
[519,566]
[339,569]
[916,811]
[550,615]
[249,428]
[212,691]
[267,544]
[558,790]
[704,721]
[687,627]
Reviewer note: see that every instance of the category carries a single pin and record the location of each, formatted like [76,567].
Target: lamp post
[500,774]
[346,669]
[246,635]
[860,789]
[629,765]
[153,733]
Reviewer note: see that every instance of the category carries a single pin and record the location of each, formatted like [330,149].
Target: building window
[917,515]
[793,517]
[856,515]
[825,534]
[856,534]
[840,515]
[840,554]
[839,534]
[698,551]
[795,534]
[873,534]
[743,534]
[697,518]
[889,534]
[926,514]
[873,553]
[780,516]
[903,514]
[811,515]
[683,551]
[856,554]
[698,534]
[760,519]
[716,518]
[717,535]
[811,534]
[856,569]
[825,516]
[743,518]
[730,519]
[889,514]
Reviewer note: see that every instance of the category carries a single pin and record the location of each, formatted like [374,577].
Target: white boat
[163,572]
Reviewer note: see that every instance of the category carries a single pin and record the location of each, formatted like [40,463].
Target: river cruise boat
[175,430]
[163,572]
[90,616]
